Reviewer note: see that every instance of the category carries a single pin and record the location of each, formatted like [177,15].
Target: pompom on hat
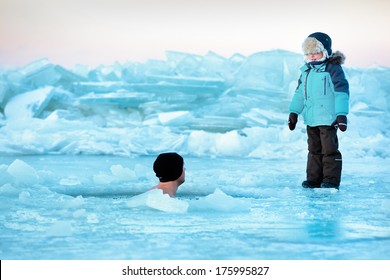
[168,166]
[316,43]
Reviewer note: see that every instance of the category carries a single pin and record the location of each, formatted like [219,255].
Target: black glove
[292,120]
[341,123]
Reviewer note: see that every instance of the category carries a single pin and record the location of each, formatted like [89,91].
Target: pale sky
[94,32]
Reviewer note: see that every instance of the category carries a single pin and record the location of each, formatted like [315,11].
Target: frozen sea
[261,212]
[77,148]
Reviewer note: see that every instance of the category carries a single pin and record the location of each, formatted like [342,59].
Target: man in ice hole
[169,168]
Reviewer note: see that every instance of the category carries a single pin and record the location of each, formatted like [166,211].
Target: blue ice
[77,147]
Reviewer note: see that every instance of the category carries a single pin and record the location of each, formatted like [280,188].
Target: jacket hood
[337,58]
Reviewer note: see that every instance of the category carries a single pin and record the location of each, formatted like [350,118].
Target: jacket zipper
[324,85]
[307,75]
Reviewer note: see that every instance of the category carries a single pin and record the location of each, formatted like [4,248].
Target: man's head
[168,167]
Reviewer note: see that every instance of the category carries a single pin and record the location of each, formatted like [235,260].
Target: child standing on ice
[322,97]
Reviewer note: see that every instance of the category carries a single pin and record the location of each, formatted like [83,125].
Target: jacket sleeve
[297,102]
[341,89]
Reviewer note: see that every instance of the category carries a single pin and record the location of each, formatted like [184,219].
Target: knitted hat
[316,43]
[168,166]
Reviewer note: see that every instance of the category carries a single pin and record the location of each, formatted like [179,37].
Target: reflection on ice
[60,228]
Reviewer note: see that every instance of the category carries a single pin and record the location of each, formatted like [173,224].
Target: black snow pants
[324,161]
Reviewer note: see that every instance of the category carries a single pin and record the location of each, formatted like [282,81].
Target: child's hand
[341,123]
[292,120]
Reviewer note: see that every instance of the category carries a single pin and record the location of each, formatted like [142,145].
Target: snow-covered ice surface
[77,147]
[238,209]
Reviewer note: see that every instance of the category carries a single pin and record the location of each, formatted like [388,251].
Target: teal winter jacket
[322,93]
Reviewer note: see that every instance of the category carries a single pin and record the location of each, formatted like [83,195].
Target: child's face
[314,56]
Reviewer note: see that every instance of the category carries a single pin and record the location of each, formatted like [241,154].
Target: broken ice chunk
[221,202]
[29,104]
[178,117]
[155,199]
[42,73]
[122,173]
[22,172]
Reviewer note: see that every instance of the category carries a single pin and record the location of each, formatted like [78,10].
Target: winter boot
[328,186]
[310,184]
